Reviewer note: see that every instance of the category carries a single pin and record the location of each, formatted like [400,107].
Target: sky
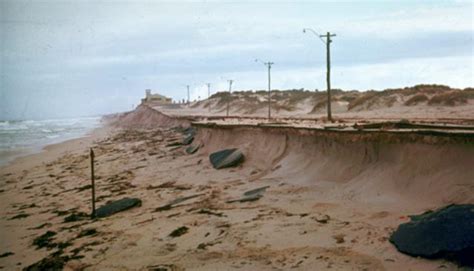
[82,58]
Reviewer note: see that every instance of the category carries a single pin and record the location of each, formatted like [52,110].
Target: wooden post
[92,183]
[209,95]
[328,67]
[230,94]
[269,91]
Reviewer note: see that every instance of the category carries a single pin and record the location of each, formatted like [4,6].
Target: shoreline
[52,151]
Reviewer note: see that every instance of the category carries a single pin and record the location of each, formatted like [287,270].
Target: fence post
[93,183]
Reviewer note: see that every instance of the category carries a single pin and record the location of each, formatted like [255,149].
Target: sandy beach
[314,215]
[237,135]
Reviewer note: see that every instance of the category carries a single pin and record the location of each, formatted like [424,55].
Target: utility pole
[187,86]
[269,65]
[328,66]
[230,93]
[328,63]
[209,95]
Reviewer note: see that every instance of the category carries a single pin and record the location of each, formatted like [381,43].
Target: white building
[156,98]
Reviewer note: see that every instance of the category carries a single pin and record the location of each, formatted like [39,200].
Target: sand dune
[418,102]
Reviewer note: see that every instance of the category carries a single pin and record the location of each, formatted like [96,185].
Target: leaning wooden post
[93,183]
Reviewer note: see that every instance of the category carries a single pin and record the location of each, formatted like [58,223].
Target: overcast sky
[64,58]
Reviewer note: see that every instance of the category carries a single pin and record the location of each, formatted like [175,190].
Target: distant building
[156,98]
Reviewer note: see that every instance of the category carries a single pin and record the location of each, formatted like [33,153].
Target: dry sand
[331,202]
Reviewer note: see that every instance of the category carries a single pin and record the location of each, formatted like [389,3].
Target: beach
[308,218]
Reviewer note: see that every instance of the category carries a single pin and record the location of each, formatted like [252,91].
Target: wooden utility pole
[230,94]
[92,183]
[209,95]
[187,86]
[269,65]
[328,74]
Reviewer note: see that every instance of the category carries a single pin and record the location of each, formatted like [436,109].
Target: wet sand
[295,225]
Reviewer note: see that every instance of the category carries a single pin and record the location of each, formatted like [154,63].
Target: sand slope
[332,201]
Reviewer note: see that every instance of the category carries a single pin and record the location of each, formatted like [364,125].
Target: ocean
[20,138]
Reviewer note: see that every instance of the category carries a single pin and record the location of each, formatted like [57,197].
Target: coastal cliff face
[372,168]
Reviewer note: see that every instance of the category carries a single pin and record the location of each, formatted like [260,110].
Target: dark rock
[188,139]
[117,206]
[192,149]
[179,231]
[226,158]
[445,233]
[189,131]
[174,144]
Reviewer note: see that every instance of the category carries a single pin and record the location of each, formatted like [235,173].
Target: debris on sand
[19,216]
[226,158]
[251,195]
[445,233]
[192,149]
[256,191]
[6,254]
[52,262]
[210,212]
[179,231]
[322,219]
[339,238]
[171,204]
[40,226]
[117,206]
[87,232]
[45,240]
[163,267]
[76,217]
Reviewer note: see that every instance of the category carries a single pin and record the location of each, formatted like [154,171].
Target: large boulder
[188,139]
[117,206]
[192,149]
[445,233]
[226,158]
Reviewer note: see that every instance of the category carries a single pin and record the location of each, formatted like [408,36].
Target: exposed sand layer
[331,202]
